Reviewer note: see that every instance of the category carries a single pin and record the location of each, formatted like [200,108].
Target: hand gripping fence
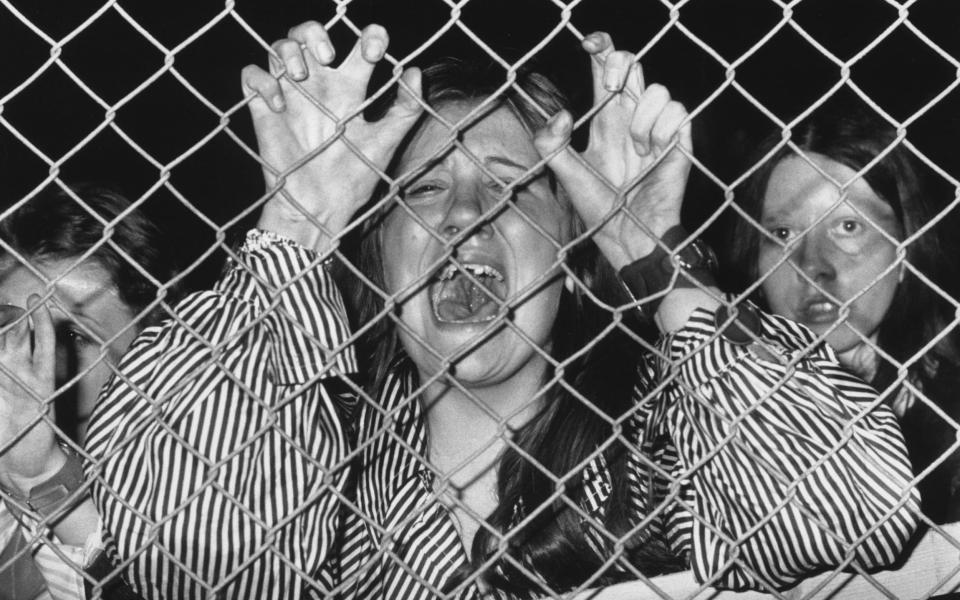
[264,438]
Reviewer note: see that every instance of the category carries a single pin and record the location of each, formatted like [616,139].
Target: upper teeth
[476,270]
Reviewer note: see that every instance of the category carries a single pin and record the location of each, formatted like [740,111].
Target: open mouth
[470,293]
[819,310]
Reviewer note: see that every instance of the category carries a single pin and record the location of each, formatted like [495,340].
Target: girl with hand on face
[834,214]
[72,299]
[505,442]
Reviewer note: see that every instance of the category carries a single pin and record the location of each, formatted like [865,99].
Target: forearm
[315,232]
[56,496]
[794,461]
[219,446]
[77,524]
[679,304]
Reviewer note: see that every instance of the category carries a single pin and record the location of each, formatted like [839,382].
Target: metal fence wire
[298,432]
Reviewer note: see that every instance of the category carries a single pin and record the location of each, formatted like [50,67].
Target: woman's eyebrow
[506,162]
[528,173]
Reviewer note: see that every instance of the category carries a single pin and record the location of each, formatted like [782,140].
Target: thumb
[553,139]
[404,111]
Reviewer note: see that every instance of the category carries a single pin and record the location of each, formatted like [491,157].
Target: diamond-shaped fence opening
[456,346]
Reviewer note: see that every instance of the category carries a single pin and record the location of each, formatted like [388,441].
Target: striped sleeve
[794,465]
[217,448]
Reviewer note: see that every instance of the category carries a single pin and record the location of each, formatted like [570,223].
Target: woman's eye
[780,233]
[497,186]
[77,338]
[850,226]
[423,189]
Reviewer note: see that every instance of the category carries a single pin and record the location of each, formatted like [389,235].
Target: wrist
[48,493]
[675,262]
[20,481]
[318,235]
[623,250]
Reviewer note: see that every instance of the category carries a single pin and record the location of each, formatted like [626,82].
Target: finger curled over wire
[10,313]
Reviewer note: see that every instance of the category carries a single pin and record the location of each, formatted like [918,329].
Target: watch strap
[47,498]
[654,273]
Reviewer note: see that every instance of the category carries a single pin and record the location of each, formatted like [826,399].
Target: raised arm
[219,449]
[628,185]
[41,483]
[792,465]
[789,464]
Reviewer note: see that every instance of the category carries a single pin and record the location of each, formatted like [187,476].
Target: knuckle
[658,91]
[619,58]
[306,29]
[375,29]
[288,48]
[256,78]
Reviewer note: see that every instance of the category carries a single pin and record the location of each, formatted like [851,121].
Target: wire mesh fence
[466,350]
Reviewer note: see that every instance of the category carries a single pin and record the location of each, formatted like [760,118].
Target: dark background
[184,162]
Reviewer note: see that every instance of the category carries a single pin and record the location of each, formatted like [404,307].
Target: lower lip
[819,316]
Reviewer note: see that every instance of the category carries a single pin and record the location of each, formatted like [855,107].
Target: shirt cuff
[299,301]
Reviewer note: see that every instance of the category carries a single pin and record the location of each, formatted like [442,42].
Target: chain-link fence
[472,383]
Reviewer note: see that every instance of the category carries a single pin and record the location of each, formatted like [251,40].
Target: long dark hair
[54,226]
[918,313]
[567,432]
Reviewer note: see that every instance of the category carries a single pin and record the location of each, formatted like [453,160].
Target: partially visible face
[846,252]
[86,313]
[443,311]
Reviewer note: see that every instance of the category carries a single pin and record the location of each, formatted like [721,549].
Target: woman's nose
[814,258]
[465,212]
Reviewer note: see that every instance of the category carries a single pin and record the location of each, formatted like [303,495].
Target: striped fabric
[220,455]
[784,471]
[218,452]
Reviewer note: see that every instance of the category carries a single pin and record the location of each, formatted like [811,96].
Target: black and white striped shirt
[221,454]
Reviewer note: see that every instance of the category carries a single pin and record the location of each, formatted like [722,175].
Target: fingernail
[373,50]
[558,123]
[611,80]
[325,53]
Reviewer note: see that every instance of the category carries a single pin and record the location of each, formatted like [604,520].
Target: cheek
[863,269]
[537,241]
[776,278]
[403,244]
[97,372]
[118,348]
[874,304]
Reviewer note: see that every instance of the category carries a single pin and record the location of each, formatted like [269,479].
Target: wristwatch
[47,498]
[655,272]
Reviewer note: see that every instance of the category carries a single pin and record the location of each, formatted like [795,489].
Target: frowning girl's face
[93,325]
[840,251]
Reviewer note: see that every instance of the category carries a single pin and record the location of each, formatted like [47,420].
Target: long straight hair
[917,313]
[566,433]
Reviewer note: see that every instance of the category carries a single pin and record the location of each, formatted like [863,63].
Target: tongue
[462,300]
